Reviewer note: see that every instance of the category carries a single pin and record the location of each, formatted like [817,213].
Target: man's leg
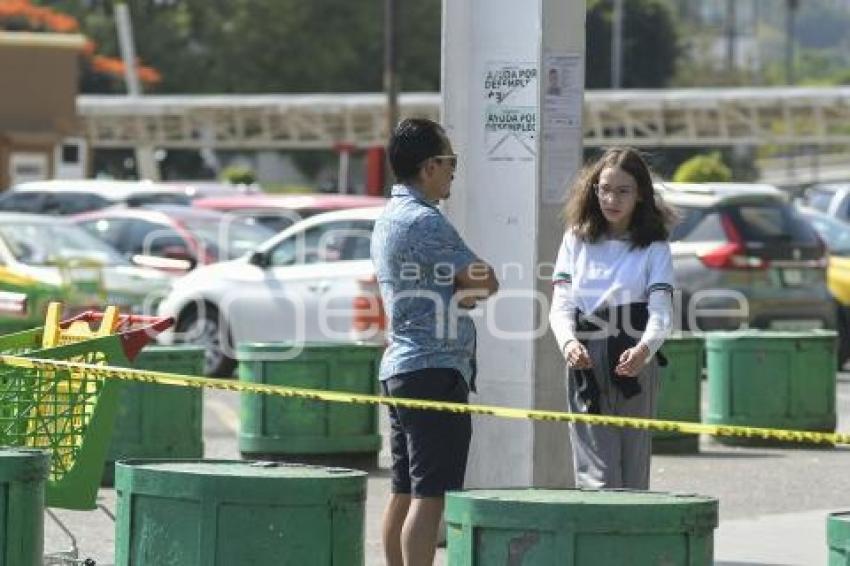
[419,536]
[394,518]
[437,446]
[395,513]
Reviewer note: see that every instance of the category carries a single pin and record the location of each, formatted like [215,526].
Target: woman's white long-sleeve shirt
[609,273]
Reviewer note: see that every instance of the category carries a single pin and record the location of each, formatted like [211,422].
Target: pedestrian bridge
[644,118]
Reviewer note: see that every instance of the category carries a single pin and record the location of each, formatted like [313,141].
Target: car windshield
[771,222]
[56,243]
[230,238]
[834,232]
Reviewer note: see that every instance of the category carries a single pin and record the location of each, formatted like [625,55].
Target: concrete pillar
[512,81]
[343,151]
[146,164]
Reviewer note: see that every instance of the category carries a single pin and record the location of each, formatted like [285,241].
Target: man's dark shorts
[429,448]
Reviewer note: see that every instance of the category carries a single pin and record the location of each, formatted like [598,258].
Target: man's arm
[478,279]
[475,283]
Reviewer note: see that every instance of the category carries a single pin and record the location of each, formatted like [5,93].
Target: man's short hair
[414,141]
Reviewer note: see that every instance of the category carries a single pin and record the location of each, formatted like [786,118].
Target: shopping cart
[68,412]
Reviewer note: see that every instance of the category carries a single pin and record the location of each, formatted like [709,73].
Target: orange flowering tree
[98,73]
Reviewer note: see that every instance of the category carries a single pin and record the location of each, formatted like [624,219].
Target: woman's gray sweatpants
[611,457]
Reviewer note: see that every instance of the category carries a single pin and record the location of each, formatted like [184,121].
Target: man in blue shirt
[429,279]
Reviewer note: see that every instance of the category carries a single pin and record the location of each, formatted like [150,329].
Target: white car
[313,282]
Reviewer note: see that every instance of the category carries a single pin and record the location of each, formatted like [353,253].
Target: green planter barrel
[272,427]
[23,477]
[838,538]
[679,397]
[771,379]
[159,421]
[222,513]
[571,527]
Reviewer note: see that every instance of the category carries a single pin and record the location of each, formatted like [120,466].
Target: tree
[651,45]
[98,73]
[230,46]
[703,169]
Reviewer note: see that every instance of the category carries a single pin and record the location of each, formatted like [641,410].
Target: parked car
[279,212]
[313,282]
[209,189]
[45,259]
[744,248]
[72,197]
[836,234]
[832,199]
[185,234]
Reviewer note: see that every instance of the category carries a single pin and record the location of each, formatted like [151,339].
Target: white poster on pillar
[510,111]
[563,97]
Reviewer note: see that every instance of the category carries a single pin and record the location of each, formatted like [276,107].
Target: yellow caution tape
[163,378]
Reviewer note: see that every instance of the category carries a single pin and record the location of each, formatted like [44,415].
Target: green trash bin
[23,477]
[235,512]
[771,379]
[543,527]
[679,397]
[159,421]
[317,432]
[838,538]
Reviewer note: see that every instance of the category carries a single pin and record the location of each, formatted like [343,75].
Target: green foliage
[813,67]
[257,46]
[651,45]
[702,169]
[241,46]
[238,175]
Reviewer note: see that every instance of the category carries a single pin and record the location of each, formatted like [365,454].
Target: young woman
[611,311]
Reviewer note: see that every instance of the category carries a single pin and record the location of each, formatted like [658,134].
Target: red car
[182,236]
[278,212]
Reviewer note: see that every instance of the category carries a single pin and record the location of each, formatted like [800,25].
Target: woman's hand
[577,356]
[632,361]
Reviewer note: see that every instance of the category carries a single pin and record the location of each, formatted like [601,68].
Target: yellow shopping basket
[68,412]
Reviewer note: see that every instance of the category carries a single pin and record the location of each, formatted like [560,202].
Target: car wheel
[208,329]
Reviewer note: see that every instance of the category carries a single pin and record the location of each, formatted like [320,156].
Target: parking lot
[773,502]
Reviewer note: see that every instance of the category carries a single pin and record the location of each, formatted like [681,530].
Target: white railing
[644,118]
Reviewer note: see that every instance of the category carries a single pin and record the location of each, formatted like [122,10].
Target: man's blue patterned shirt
[416,253]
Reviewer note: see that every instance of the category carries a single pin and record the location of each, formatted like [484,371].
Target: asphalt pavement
[773,502]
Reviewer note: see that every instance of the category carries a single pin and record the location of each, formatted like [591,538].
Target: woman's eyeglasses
[613,193]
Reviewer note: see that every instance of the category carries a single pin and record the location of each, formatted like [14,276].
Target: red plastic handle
[131,340]
[134,340]
[123,319]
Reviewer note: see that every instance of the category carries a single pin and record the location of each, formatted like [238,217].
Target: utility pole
[617,46]
[146,166]
[790,14]
[128,48]
[731,21]
[390,73]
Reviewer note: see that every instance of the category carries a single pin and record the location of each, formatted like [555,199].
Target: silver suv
[744,257]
